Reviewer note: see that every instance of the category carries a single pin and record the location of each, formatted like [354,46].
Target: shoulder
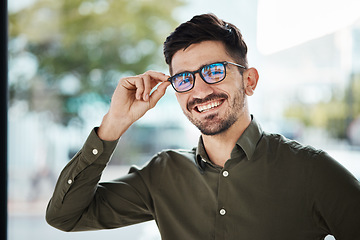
[167,167]
[177,154]
[277,145]
[174,156]
[304,158]
[170,159]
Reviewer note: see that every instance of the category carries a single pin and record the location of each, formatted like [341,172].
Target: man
[238,183]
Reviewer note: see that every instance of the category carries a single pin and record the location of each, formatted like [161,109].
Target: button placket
[225,174]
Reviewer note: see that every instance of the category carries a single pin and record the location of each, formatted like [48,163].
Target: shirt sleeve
[336,198]
[80,202]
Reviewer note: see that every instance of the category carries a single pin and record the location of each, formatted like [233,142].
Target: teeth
[208,107]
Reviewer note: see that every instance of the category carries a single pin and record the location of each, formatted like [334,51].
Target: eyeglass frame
[224,63]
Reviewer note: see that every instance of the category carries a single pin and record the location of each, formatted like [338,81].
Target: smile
[208,106]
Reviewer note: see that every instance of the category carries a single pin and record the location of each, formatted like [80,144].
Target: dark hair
[203,28]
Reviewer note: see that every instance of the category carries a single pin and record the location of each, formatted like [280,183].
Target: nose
[201,88]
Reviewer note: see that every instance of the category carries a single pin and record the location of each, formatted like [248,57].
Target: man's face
[212,108]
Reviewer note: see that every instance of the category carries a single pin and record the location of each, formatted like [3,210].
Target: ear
[250,77]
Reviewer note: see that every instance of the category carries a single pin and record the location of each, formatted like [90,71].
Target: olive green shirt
[270,188]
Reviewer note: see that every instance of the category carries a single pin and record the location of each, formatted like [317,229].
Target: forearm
[77,183]
[112,128]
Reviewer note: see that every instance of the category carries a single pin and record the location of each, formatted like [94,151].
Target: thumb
[158,93]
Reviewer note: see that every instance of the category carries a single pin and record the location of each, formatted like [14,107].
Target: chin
[218,127]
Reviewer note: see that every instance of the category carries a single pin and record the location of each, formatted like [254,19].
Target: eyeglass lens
[212,73]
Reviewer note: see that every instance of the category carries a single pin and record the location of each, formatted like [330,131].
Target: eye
[184,80]
[217,70]
[213,69]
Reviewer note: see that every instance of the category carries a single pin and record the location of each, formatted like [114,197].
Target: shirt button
[95,151]
[222,212]
[69,181]
[225,173]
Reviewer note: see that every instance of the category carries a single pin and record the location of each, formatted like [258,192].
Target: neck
[219,147]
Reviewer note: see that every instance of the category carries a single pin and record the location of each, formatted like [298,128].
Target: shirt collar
[247,142]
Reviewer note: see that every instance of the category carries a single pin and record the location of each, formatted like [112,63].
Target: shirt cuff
[95,147]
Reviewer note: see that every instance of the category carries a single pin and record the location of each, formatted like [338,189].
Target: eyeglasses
[211,73]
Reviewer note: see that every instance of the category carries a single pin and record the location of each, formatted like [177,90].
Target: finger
[148,85]
[139,84]
[151,79]
[144,83]
[158,94]
[158,75]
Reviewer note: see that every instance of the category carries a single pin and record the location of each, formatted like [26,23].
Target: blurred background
[66,57]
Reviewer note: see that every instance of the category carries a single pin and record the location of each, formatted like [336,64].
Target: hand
[130,101]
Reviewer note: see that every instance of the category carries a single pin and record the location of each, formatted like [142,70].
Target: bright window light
[283,23]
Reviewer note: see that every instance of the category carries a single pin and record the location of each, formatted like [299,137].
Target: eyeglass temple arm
[237,65]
